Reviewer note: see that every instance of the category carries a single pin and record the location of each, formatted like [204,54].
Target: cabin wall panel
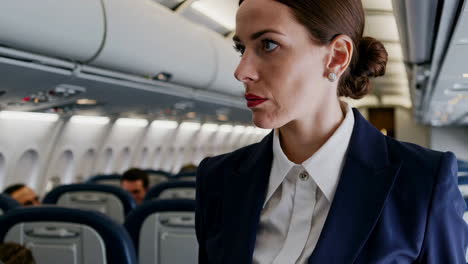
[124,141]
[21,136]
[81,140]
[158,141]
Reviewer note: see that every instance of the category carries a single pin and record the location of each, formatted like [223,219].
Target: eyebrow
[256,35]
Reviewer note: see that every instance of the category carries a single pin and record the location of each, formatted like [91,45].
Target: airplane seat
[109,200]
[156,177]
[64,235]
[172,190]
[163,231]
[109,179]
[7,203]
[463,185]
[186,176]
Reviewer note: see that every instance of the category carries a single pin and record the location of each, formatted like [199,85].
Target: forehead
[133,184]
[23,193]
[255,15]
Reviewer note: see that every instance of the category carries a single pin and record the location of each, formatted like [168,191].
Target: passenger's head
[23,194]
[290,48]
[188,168]
[12,253]
[135,181]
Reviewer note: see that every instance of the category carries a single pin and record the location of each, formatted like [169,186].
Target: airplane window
[108,160]
[27,167]
[124,160]
[66,167]
[144,158]
[87,164]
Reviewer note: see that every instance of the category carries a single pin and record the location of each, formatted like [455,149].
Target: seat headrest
[119,247]
[7,203]
[136,218]
[156,190]
[127,200]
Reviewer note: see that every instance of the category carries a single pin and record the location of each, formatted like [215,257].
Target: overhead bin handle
[88,198]
[179,221]
[52,232]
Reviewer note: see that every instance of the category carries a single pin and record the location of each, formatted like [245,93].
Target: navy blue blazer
[395,203]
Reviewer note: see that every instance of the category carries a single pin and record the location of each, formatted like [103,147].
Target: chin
[261,120]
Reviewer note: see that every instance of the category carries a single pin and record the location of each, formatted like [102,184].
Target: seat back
[186,176]
[7,203]
[156,177]
[109,200]
[110,179]
[65,235]
[172,190]
[163,232]
[463,184]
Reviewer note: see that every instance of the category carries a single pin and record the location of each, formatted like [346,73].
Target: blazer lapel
[244,196]
[367,178]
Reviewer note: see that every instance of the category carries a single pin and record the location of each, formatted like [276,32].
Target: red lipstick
[254,100]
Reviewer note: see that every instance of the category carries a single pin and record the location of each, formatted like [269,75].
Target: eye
[269,45]
[239,48]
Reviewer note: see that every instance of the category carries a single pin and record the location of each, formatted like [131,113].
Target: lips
[254,100]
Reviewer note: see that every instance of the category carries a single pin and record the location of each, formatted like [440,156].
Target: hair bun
[372,62]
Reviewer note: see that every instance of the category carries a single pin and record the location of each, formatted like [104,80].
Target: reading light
[86,101]
[96,120]
[131,122]
[465,75]
[28,116]
[164,124]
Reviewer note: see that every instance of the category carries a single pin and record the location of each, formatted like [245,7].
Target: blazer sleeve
[202,257]
[446,234]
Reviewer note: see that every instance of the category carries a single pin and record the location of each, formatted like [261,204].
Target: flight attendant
[324,186]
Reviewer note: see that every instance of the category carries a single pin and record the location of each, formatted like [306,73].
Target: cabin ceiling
[380,24]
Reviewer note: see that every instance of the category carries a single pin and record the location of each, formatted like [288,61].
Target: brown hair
[326,19]
[12,253]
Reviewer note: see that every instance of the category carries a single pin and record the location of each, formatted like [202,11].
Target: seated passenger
[135,181]
[12,253]
[188,168]
[23,194]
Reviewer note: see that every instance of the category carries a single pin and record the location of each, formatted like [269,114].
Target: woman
[324,186]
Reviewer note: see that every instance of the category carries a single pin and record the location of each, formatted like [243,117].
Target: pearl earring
[332,76]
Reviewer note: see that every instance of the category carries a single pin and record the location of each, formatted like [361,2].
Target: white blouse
[299,198]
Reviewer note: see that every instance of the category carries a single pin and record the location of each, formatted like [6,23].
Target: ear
[340,54]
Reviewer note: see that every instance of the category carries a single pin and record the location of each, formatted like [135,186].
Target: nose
[246,70]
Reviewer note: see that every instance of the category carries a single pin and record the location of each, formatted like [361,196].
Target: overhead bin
[417,24]
[227,61]
[68,29]
[147,39]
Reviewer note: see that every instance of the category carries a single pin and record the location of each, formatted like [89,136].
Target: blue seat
[156,177]
[110,200]
[172,190]
[462,180]
[7,203]
[186,176]
[163,231]
[110,179]
[65,235]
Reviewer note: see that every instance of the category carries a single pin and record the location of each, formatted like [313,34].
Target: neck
[300,139]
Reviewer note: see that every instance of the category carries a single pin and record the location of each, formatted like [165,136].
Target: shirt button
[304,176]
